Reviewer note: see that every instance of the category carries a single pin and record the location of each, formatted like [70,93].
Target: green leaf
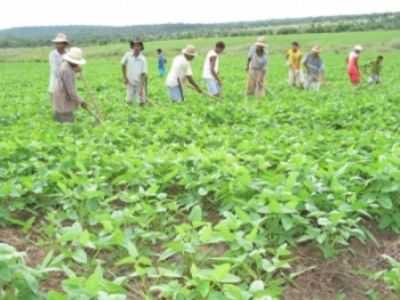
[53,295]
[196,214]
[233,292]
[80,256]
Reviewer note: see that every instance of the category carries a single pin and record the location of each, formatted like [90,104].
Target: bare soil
[347,275]
[35,255]
[319,279]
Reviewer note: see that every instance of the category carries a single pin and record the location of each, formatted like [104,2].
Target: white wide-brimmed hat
[316,49]
[75,56]
[190,50]
[358,48]
[261,44]
[61,38]
[261,39]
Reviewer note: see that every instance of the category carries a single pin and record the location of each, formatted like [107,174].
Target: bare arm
[248,64]
[213,62]
[143,84]
[194,84]
[124,74]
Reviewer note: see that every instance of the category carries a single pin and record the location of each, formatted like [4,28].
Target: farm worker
[352,65]
[257,69]
[253,48]
[134,72]
[56,58]
[161,62]
[65,97]
[314,69]
[180,73]
[375,69]
[294,58]
[211,70]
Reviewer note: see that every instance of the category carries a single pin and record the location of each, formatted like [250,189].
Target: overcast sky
[15,13]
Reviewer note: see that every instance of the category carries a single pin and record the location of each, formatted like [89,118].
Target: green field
[202,200]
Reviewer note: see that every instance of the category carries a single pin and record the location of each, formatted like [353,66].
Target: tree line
[41,36]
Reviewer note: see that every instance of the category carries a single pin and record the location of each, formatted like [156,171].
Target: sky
[19,13]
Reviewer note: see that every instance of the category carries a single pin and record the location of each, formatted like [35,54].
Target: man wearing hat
[180,73]
[352,65]
[65,97]
[55,59]
[314,69]
[253,48]
[257,69]
[134,72]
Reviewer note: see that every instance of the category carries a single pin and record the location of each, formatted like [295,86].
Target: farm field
[292,197]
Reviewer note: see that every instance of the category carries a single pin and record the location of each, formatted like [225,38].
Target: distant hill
[40,36]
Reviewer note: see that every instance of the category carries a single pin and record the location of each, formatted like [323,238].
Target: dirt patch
[27,243]
[23,243]
[53,282]
[214,250]
[346,275]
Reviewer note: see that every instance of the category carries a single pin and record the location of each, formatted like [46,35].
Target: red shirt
[352,63]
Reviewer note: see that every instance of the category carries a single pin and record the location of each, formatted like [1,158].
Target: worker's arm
[194,84]
[124,76]
[53,66]
[213,62]
[143,83]
[248,64]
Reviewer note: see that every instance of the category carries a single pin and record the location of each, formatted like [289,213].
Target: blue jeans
[213,87]
[175,94]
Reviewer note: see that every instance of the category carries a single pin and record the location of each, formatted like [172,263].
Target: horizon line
[202,23]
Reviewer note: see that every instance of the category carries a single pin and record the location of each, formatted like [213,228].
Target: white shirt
[180,68]
[136,66]
[207,74]
[55,61]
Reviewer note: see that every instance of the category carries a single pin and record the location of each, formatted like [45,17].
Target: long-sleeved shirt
[65,97]
[55,61]
[314,65]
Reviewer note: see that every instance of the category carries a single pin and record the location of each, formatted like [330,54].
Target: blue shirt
[161,61]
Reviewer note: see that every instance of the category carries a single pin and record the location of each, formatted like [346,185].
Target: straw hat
[259,44]
[316,49]
[190,50]
[61,38]
[358,48]
[75,56]
[261,39]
